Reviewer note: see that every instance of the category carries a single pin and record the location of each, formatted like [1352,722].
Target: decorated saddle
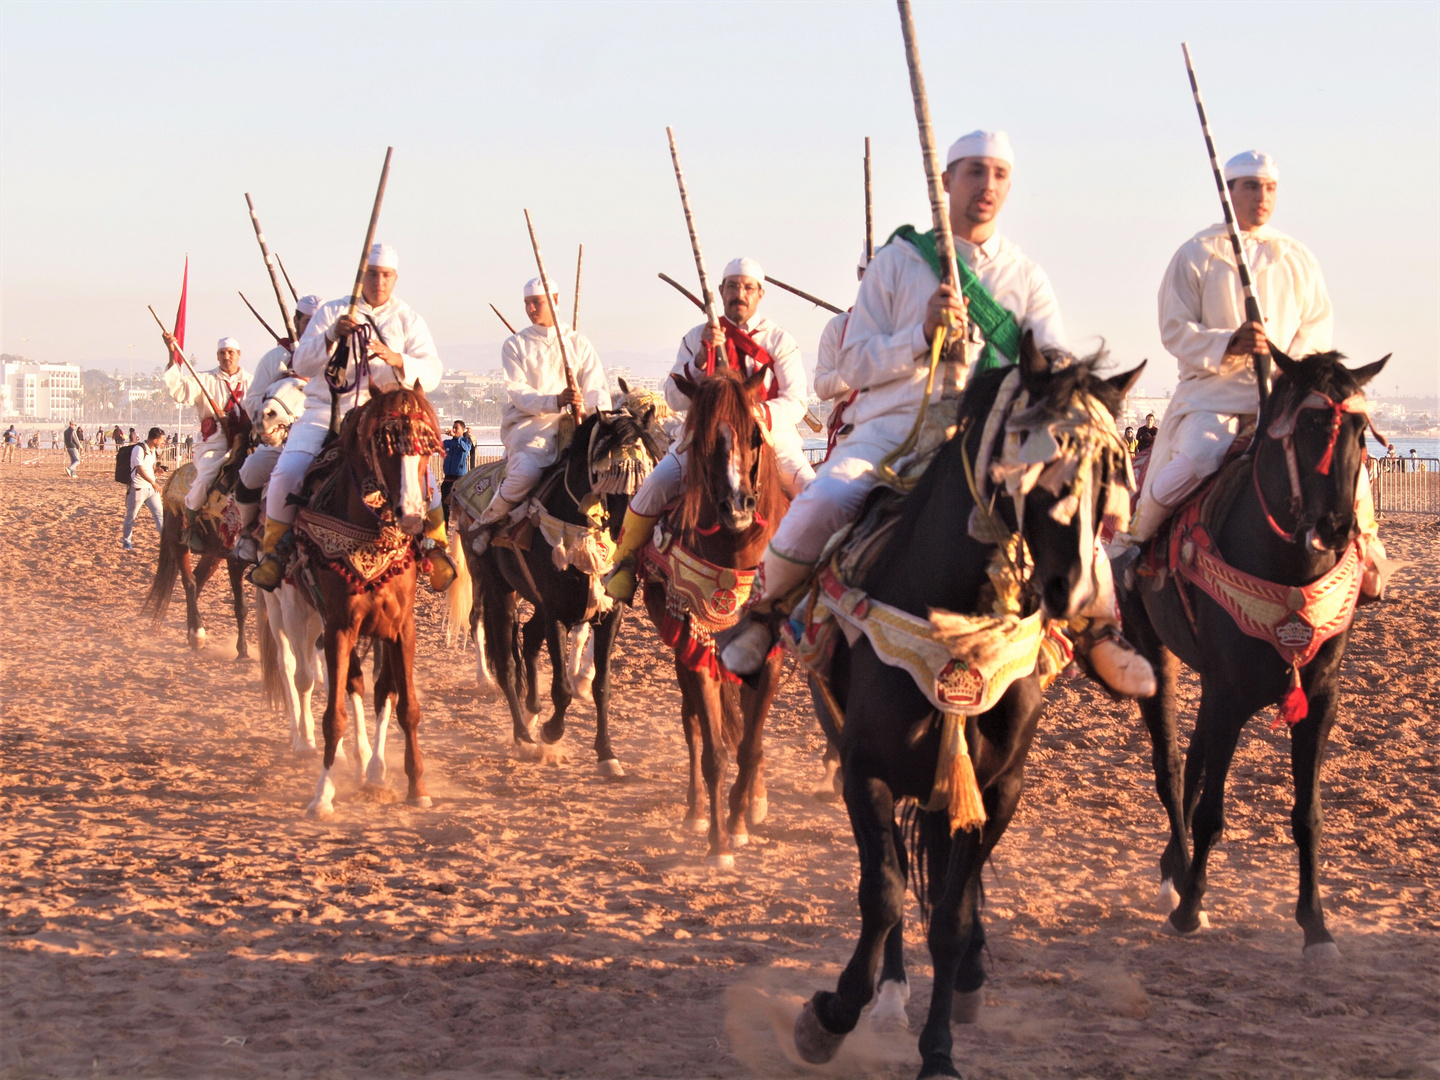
[219,511]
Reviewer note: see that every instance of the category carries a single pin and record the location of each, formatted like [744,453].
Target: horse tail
[167,569]
[732,726]
[272,678]
[460,599]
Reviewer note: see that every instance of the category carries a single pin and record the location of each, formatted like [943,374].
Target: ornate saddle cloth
[701,599]
[364,556]
[473,491]
[219,512]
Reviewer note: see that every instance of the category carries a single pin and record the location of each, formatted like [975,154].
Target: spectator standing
[12,443]
[143,487]
[72,448]
[1131,444]
[459,448]
[1145,437]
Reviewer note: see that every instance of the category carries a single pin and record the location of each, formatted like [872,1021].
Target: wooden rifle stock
[575,410]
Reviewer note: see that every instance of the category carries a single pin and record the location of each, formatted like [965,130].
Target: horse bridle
[1283,429]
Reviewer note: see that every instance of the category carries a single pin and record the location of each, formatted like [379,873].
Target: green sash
[1002,332]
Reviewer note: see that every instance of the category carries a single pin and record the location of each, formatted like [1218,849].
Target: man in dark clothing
[72,447]
[458,448]
[1145,437]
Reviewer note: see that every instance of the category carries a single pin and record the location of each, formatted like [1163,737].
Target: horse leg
[237,596]
[602,640]
[302,738]
[532,636]
[385,695]
[355,691]
[1160,713]
[713,762]
[552,749]
[1307,751]
[1217,730]
[828,1017]
[339,644]
[695,819]
[582,661]
[407,712]
[191,582]
[893,991]
[952,928]
[748,798]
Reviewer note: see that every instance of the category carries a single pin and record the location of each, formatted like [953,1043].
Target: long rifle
[804,295]
[270,266]
[869,216]
[944,241]
[289,346]
[575,318]
[178,355]
[1242,264]
[705,292]
[288,282]
[502,318]
[370,234]
[811,420]
[555,315]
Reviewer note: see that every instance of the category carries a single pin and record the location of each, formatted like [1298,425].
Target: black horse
[890,740]
[563,599]
[1287,537]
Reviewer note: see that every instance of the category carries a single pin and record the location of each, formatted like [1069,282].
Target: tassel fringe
[1294,706]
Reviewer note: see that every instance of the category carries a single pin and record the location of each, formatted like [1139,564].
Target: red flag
[180,313]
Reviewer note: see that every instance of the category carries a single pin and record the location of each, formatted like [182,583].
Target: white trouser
[666,482]
[209,456]
[1184,455]
[285,480]
[258,466]
[136,496]
[522,472]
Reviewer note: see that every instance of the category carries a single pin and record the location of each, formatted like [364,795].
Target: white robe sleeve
[313,352]
[589,374]
[522,395]
[184,389]
[829,386]
[787,401]
[1042,313]
[877,350]
[419,359]
[1317,317]
[1200,350]
[267,373]
[684,365]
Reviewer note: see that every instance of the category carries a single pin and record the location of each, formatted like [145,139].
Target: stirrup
[1126,674]
[442,570]
[744,647]
[268,574]
[622,583]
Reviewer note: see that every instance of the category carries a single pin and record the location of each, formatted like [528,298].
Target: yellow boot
[635,533]
[270,571]
[434,542]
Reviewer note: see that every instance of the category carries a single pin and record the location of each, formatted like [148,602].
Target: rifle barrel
[178,355]
[502,318]
[285,316]
[370,232]
[944,241]
[705,291]
[555,315]
[278,339]
[683,291]
[288,282]
[805,295]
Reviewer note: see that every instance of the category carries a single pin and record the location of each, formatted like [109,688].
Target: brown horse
[175,561]
[363,505]
[732,505]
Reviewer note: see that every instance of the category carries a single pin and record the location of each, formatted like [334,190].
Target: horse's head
[622,447]
[1311,446]
[282,407]
[1067,470]
[396,434]
[731,472]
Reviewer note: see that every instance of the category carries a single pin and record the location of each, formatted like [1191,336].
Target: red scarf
[740,346]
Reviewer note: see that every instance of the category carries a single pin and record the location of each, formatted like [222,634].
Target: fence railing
[1406,485]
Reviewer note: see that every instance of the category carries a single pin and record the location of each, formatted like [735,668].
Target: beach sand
[168,911]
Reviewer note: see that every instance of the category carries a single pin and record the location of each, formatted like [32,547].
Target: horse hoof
[1169,897]
[611,767]
[720,862]
[758,810]
[319,811]
[812,1041]
[697,824]
[197,639]
[1169,927]
[1322,952]
[552,753]
[739,839]
[527,751]
[965,1006]
[889,1011]
[375,772]
[585,690]
[420,802]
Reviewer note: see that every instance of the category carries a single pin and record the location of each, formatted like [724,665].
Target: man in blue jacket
[458,448]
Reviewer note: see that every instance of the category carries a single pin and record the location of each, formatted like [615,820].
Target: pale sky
[129,134]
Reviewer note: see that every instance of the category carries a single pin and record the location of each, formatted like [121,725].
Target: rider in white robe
[273,369]
[742,289]
[225,386]
[402,352]
[885,353]
[829,384]
[538,396]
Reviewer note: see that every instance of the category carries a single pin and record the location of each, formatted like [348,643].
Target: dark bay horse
[176,561]
[890,741]
[733,503]
[1289,536]
[369,484]
[609,456]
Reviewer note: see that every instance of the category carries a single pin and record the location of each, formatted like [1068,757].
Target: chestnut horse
[376,485]
[732,505]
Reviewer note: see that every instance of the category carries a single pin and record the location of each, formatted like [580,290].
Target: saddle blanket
[366,557]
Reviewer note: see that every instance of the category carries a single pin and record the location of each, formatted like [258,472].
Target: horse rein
[1283,429]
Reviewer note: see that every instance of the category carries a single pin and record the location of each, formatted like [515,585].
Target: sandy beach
[169,912]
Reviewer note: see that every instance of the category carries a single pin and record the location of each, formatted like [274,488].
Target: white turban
[228,343]
[991,144]
[536,287]
[308,305]
[384,255]
[743,267]
[1252,163]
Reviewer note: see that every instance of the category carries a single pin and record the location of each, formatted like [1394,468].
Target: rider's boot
[635,533]
[1113,660]
[434,543]
[247,541]
[271,570]
[191,532]
[495,512]
[744,648]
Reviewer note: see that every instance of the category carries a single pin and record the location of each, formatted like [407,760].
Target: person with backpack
[141,485]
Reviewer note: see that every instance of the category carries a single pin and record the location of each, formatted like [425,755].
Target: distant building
[40,391]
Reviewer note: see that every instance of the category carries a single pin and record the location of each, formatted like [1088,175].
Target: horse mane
[722,399]
[1320,371]
[394,423]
